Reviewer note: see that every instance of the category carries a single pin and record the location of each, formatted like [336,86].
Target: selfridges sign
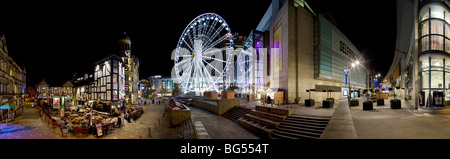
[341,45]
[345,49]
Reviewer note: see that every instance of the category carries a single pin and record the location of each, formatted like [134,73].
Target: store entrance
[436,98]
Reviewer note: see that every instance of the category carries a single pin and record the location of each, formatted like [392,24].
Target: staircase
[276,123]
[235,113]
[301,127]
[185,130]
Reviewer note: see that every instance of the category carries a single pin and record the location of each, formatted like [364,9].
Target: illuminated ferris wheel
[245,65]
[203,53]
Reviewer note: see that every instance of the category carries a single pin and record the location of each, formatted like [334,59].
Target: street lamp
[353,65]
[376,79]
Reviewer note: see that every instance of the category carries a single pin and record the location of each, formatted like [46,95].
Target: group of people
[144,102]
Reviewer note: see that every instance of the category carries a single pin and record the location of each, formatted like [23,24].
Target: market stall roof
[8,106]
[271,90]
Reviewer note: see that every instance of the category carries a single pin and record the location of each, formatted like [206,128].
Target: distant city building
[142,87]
[160,83]
[12,77]
[153,80]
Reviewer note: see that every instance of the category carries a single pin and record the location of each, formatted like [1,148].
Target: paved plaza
[30,126]
[386,123]
[346,123]
[380,123]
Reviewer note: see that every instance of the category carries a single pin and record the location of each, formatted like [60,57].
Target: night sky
[55,40]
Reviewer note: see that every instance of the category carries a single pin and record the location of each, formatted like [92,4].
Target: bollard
[278,103]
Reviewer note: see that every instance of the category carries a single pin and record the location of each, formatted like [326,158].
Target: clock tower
[131,63]
[125,45]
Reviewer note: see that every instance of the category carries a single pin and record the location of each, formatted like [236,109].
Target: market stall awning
[8,106]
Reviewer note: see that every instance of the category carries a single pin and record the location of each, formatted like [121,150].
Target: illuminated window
[437,42]
[437,27]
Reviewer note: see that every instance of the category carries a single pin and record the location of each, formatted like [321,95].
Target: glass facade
[335,54]
[434,63]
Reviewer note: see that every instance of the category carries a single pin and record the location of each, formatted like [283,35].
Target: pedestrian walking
[119,121]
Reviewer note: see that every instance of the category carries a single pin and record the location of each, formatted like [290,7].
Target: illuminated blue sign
[346,76]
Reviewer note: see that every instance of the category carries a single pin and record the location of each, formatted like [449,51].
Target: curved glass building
[433,52]
[421,65]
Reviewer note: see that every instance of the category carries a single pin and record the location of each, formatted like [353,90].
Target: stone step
[303,125]
[295,131]
[306,123]
[278,111]
[276,135]
[256,127]
[235,113]
[267,122]
[311,120]
[270,116]
[295,135]
[319,118]
[300,128]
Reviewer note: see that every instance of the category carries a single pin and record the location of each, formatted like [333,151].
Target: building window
[432,26]
[437,42]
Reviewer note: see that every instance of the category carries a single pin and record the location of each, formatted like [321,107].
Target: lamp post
[353,65]
[377,79]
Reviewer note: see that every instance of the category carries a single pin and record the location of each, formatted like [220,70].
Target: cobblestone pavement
[139,129]
[30,126]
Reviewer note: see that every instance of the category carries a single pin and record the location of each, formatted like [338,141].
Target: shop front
[354,94]
[56,104]
[435,80]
